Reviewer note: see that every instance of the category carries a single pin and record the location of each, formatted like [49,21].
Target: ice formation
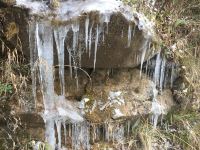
[60,34]
[74,8]
[164,72]
[45,36]
[157,109]
[129,34]
[57,109]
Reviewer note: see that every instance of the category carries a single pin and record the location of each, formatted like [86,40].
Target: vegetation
[177,23]
[179,130]
[178,26]
[13,83]
[5,88]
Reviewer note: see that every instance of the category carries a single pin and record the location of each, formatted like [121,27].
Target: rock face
[112,103]
[111,98]
[105,37]
[81,36]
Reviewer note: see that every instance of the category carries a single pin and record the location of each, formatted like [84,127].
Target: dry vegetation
[13,83]
[177,23]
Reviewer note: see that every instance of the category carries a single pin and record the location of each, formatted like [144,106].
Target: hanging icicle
[87,21]
[96,45]
[59,35]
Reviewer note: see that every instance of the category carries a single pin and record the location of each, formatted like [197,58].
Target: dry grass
[180,130]
[177,24]
[54,4]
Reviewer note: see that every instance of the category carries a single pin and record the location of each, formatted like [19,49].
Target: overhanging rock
[95,33]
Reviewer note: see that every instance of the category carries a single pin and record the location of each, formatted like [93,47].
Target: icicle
[128,127]
[96,45]
[60,34]
[134,30]
[162,74]
[76,77]
[101,32]
[44,40]
[107,132]
[156,109]
[86,32]
[45,53]
[74,137]
[118,133]
[107,28]
[157,69]
[80,136]
[58,127]
[144,49]
[70,60]
[129,34]
[57,109]
[50,133]
[33,52]
[103,36]
[105,18]
[90,39]
[75,29]
[65,131]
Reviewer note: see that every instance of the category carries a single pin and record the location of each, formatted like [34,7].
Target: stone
[124,37]
[124,93]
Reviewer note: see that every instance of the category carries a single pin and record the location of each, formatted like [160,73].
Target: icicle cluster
[161,71]
[57,111]
[44,37]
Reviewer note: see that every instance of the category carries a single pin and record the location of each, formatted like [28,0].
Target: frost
[73,9]
[117,114]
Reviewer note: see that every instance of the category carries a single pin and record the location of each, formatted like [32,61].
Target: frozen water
[90,39]
[129,34]
[157,69]
[117,114]
[156,109]
[73,9]
[59,35]
[144,49]
[58,111]
[87,21]
[96,45]
[57,108]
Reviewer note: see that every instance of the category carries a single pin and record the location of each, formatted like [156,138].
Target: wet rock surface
[84,85]
[120,44]
[123,94]
[112,102]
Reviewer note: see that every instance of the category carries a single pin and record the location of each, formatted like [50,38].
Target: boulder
[107,37]
[123,95]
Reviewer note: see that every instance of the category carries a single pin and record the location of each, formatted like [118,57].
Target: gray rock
[112,52]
